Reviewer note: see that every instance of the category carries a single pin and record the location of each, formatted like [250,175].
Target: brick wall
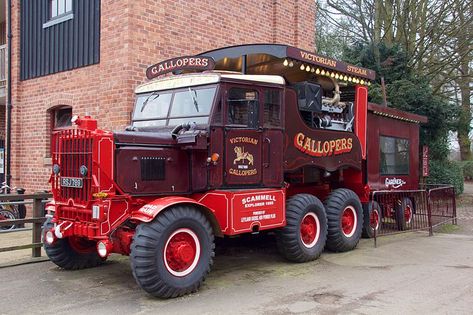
[135,34]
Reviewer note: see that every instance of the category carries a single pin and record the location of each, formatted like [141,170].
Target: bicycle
[10,211]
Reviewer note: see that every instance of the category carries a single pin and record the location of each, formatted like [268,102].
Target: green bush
[467,167]
[446,172]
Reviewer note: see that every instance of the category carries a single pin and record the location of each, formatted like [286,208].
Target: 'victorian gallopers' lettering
[319,148]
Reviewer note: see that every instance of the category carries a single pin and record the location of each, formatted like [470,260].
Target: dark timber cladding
[63,46]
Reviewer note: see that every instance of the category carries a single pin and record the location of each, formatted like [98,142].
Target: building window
[58,35]
[61,118]
[394,156]
[59,11]
[59,7]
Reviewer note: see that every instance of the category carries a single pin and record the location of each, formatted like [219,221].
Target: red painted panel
[361,112]
[384,126]
[264,208]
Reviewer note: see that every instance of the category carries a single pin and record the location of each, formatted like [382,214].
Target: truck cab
[230,118]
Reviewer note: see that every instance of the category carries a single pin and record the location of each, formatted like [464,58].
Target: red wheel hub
[310,230]
[182,252]
[349,221]
[408,214]
[374,219]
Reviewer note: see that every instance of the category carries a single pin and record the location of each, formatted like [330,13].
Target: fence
[411,210]
[12,202]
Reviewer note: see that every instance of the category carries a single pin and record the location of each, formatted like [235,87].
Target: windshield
[171,108]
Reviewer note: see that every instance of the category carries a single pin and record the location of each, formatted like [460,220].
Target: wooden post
[37,213]
[429,213]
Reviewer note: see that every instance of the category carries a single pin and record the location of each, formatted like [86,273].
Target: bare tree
[436,35]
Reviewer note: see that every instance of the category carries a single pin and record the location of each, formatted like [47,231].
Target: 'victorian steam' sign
[180,63]
[325,62]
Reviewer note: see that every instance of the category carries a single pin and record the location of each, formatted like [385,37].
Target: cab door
[273,146]
[243,137]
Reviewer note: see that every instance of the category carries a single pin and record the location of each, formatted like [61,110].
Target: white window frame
[59,14]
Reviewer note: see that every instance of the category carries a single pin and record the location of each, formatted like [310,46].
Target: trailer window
[243,107]
[272,108]
[394,156]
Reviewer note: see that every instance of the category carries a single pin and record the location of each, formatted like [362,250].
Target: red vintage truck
[236,140]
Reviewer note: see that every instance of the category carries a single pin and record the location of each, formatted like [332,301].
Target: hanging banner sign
[180,63]
[425,161]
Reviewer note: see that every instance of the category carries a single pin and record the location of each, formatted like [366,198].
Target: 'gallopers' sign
[322,148]
[180,63]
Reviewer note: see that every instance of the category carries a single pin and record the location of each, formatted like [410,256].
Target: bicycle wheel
[6,214]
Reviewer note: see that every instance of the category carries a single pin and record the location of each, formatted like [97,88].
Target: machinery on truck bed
[239,140]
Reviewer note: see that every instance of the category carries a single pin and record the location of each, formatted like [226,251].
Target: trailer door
[243,136]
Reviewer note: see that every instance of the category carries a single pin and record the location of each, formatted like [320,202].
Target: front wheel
[72,253]
[172,255]
[303,238]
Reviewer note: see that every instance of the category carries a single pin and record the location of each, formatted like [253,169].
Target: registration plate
[71,182]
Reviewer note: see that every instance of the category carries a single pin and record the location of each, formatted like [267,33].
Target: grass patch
[448,228]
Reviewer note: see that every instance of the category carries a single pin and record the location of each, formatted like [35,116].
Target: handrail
[3,63]
[37,219]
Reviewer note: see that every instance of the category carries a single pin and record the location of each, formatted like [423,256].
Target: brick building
[78,57]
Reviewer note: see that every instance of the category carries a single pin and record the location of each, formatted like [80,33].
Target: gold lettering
[300,139]
[319,148]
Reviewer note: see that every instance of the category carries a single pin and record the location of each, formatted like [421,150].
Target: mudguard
[150,210]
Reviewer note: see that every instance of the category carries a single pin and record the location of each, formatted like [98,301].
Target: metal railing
[412,210]
[3,65]
[37,200]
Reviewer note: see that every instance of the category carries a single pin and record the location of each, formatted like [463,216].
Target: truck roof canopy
[287,61]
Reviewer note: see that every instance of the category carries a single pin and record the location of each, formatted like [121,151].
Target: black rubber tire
[401,223]
[63,255]
[335,204]
[368,230]
[147,252]
[289,241]
[8,214]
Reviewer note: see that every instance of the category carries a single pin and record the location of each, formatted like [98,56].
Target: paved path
[407,274]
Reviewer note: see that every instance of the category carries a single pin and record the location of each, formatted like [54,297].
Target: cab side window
[242,108]
[272,108]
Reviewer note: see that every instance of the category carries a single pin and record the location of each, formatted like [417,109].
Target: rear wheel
[303,238]
[372,217]
[404,214]
[345,220]
[172,255]
[72,253]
